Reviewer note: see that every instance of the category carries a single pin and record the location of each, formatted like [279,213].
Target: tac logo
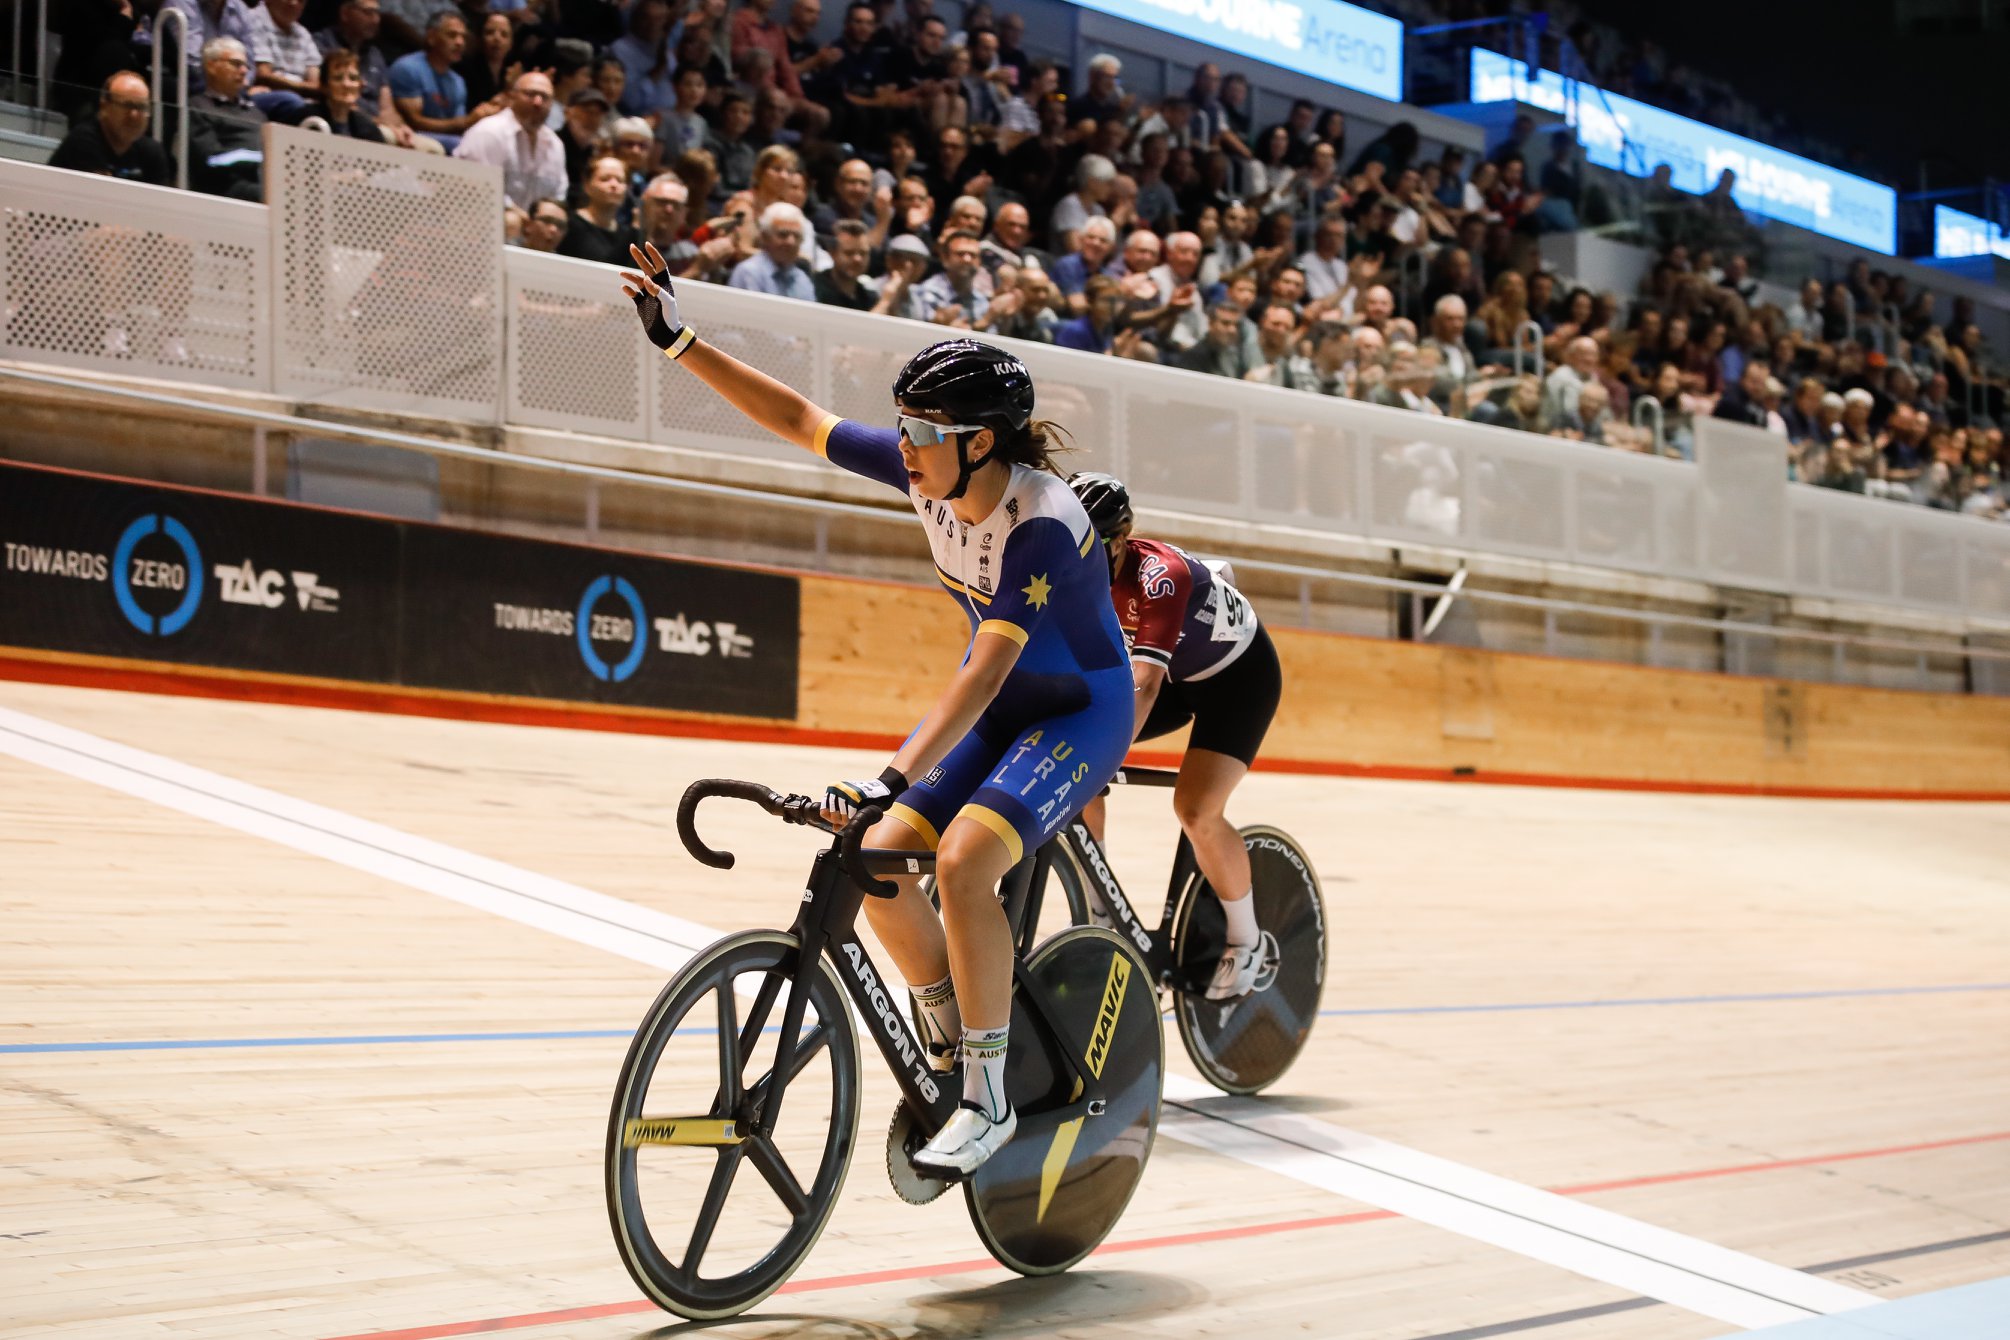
[131,573]
[590,628]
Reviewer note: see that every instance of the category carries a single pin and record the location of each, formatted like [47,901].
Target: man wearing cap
[906,261]
[579,138]
[515,140]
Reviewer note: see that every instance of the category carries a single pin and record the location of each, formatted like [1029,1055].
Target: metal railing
[1540,355]
[1305,576]
[173,18]
[1646,402]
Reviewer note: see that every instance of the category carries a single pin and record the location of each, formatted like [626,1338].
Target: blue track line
[565,1035]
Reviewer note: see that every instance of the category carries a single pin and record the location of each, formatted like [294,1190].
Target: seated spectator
[1594,416]
[776,267]
[1277,348]
[338,108]
[1095,331]
[1455,363]
[1744,400]
[285,60]
[114,143]
[645,55]
[572,72]
[515,139]
[544,226]
[967,215]
[1325,265]
[429,92]
[729,144]
[486,68]
[1562,388]
[682,125]
[226,131]
[1176,286]
[581,136]
[1022,305]
[854,200]
[664,210]
[952,297]
[355,30]
[755,28]
[1407,383]
[907,261]
[207,21]
[596,232]
[1011,234]
[1522,410]
[845,283]
[1101,99]
[1095,175]
[1802,414]
[1226,350]
[1094,241]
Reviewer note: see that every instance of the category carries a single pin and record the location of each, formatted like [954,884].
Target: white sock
[941,1020]
[984,1070]
[1241,914]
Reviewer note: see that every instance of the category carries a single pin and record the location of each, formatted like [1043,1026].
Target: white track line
[1687,1272]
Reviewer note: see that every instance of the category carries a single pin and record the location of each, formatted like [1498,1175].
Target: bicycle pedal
[904,1137]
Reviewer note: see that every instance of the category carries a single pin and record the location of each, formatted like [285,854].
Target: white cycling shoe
[964,1143]
[1235,975]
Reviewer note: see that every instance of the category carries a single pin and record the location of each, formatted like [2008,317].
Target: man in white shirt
[517,141]
[1324,266]
[1181,271]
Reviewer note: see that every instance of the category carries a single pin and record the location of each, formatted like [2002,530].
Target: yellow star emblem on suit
[1036,591]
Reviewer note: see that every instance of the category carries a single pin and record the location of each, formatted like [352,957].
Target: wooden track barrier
[874,654]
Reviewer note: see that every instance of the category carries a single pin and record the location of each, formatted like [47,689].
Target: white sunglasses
[923,433]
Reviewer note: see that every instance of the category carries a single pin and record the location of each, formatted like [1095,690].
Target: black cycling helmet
[971,382]
[1106,500]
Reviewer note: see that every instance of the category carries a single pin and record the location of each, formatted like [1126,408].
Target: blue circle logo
[122,575]
[582,626]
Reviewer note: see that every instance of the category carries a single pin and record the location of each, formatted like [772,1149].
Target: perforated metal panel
[1617,511]
[1076,391]
[390,275]
[777,335]
[1744,481]
[577,361]
[1519,502]
[1306,469]
[1186,453]
[1987,555]
[120,277]
[1417,487]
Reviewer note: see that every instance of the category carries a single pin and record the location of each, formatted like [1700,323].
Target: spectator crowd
[945,175]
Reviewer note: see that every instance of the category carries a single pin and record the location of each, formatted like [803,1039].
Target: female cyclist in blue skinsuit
[1037,717]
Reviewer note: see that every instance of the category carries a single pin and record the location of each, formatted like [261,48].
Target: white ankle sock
[1241,914]
[984,1070]
[941,1020]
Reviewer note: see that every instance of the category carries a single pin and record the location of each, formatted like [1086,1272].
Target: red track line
[1769,1166]
[489,1325]
[241,686]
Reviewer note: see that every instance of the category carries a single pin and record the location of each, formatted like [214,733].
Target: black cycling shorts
[1231,710]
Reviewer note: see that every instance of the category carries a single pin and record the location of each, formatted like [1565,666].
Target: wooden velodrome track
[266,1070]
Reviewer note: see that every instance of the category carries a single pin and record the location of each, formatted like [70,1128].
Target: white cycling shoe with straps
[965,1141]
[1235,975]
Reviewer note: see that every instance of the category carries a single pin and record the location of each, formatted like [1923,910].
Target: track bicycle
[1239,1046]
[700,1099]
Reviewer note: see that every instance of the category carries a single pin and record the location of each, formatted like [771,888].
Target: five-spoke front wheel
[710,1213]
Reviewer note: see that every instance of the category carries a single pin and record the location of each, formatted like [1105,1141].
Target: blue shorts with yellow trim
[1023,781]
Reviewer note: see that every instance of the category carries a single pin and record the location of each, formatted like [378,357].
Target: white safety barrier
[387,289]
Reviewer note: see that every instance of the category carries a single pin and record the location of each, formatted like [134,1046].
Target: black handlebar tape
[687,814]
[854,833]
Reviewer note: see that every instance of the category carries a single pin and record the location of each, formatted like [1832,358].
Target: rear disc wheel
[1244,1046]
[1046,1199]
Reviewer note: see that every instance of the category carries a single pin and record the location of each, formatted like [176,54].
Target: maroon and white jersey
[1179,612]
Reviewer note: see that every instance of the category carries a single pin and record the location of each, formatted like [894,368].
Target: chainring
[904,1137]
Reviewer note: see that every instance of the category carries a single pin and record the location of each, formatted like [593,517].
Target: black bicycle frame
[826,927]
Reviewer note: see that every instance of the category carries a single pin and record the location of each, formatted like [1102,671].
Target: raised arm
[780,409]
